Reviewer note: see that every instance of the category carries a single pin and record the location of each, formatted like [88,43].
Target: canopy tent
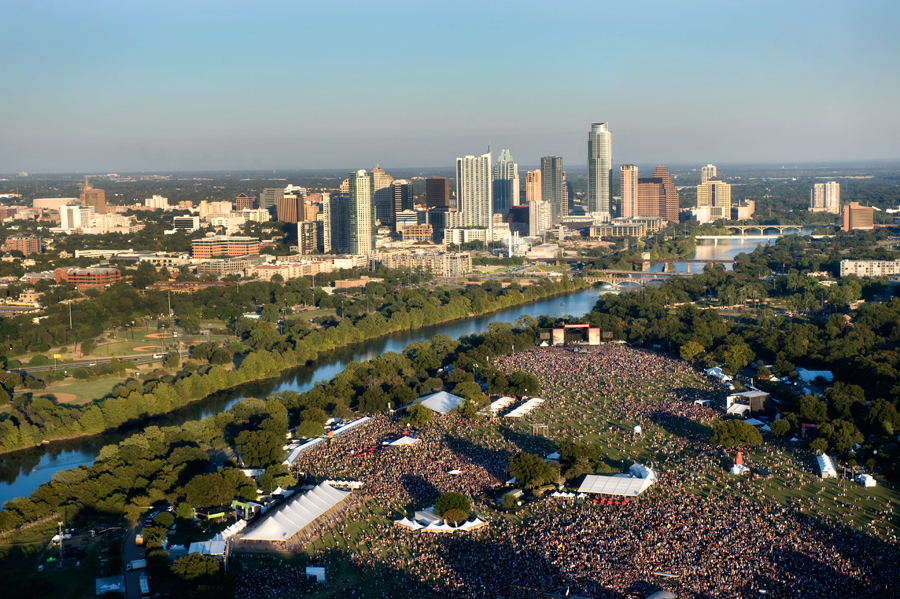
[404,440]
[441,402]
[350,484]
[737,409]
[866,480]
[525,408]
[212,547]
[427,516]
[754,422]
[826,466]
[407,523]
[498,404]
[297,514]
[349,426]
[639,479]
[717,373]
[808,376]
[438,528]
[472,525]
[555,455]
[559,494]
[295,453]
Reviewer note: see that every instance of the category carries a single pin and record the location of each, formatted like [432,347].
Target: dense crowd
[716,538]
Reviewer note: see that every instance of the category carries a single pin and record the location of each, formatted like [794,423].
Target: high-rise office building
[506,183]
[75,217]
[290,208]
[599,167]
[858,217]
[649,195]
[362,213]
[628,208]
[825,197]
[715,194]
[268,199]
[668,201]
[401,200]
[533,186]
[551,187]
[474,194]
[437,192]
[382,198]
[336,223]
[706,173]
[95,198]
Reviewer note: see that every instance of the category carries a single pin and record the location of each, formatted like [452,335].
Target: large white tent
[441,402]
[639,479]
[826,466]
[297,514]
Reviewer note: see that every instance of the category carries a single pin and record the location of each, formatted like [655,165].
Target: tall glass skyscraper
[506,183]
[552,187]
[599,167]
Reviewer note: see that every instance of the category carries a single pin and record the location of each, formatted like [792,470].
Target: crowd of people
[698,532]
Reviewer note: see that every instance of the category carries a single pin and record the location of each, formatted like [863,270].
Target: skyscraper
[437,192]
[628,209]
[382,199]
[825,197]
[95,198]
[401,199]
[336,222]
[668,202]
[474,194]
[506,183]
[290,208]
[551,187]
[706,173]
[268,199]
[362,213]
[716,195]
[533,186]
[599,167]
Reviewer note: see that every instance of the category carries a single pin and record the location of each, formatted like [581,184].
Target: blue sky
[129,86]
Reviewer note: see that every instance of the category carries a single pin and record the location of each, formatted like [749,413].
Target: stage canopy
[297,513]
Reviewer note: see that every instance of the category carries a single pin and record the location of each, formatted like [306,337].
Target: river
[23,472]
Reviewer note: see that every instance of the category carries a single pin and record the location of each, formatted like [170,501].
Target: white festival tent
[717,374]
[404,440]
[208,548]
[525,408]
[441,402]
[407,523]
[639,479]
[826,466]
[297,514]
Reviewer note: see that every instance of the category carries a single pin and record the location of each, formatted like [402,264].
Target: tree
[418,415]
[88,347]
[780,427]
[734,433]
[171,360]
[691,351]
[260,448]
[841,435]
[196,566]
[532,471]
[453,507]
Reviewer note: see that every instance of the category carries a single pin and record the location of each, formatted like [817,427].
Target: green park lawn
[84,391]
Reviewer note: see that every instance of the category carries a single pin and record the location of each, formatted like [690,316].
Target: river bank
[23,471]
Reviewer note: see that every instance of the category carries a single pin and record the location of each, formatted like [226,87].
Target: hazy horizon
[180,87]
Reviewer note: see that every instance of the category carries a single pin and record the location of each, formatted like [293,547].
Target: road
[132,552]
[84,363]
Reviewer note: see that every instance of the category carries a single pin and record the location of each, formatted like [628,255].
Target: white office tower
[75,217]
[506,183]
[707,172]
[362,214]
[715,195]
[628,208]
[825,197]
[474,194]
[599,167]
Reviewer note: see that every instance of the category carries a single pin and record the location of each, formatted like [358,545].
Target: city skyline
[181,94]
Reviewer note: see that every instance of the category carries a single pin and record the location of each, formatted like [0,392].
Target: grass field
[86,391]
